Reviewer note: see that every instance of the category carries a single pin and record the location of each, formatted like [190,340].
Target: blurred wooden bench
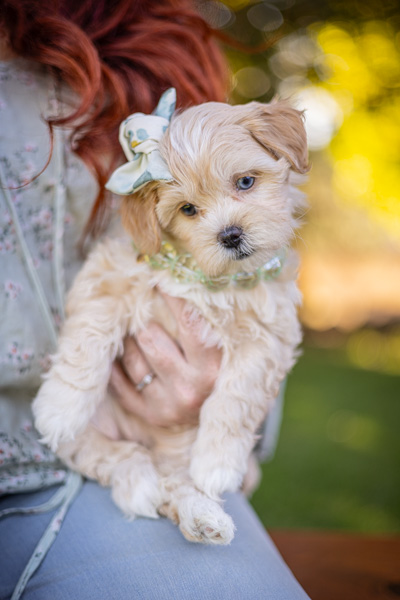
[341,566]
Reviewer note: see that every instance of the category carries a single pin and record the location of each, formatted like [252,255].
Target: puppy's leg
[200,519]
[229,419]
[124,466]
[78,378]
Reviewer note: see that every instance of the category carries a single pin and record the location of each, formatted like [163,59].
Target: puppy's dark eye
[189,210]
[245,183]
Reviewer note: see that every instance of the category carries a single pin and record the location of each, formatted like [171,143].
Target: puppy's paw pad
[205,522]
[221,532]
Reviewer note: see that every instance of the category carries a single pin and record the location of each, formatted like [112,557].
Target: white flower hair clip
[139,136]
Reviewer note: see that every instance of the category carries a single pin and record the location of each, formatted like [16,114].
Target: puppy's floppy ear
[279,128]
[139,218]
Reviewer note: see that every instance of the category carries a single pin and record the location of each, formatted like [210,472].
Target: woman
[70,72]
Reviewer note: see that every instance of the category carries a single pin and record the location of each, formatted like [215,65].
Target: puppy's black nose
[230,237]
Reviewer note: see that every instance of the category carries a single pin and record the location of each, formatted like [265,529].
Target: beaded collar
[184,269]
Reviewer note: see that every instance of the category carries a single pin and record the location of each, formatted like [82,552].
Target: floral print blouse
[41,220]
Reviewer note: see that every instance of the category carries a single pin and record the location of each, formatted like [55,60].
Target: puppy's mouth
[234,240]
[242,253]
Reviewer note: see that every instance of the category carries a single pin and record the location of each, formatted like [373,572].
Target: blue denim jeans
[100,555]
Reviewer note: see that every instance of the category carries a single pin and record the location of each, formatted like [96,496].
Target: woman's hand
[184,371]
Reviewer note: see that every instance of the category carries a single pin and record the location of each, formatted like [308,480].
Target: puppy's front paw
[212,478]
[135,487]
[203,520]
[61,412]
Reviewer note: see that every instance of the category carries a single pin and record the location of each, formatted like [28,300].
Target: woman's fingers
[153,404]
[161,352]
[133,361]
[184,387]
[129,398]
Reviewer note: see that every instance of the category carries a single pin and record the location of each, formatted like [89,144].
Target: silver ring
[145,381]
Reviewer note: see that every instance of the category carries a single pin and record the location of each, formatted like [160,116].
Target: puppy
[213,231]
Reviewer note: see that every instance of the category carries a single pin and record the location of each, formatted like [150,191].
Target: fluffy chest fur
[260,323]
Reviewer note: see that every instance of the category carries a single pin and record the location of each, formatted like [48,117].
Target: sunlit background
[338,460]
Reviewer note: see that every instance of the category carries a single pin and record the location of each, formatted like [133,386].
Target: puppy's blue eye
[245,183]
[189,210]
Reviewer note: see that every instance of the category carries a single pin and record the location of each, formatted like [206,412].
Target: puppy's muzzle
[233,238]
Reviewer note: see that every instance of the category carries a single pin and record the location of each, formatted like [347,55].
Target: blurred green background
[337,465]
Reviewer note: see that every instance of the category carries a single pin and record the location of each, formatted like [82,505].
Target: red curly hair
[118,56]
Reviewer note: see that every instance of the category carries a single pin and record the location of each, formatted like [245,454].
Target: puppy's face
[229,203]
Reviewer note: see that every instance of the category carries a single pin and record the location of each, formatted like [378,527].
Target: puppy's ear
[139,218]
[279,128]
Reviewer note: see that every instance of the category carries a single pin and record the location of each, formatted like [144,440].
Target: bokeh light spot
[265,17]
[252,82]
[323,115]
[217,14]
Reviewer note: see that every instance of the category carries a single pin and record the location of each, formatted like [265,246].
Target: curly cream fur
[181,472]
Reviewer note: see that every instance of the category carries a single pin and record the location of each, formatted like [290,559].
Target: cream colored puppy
[220,224]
